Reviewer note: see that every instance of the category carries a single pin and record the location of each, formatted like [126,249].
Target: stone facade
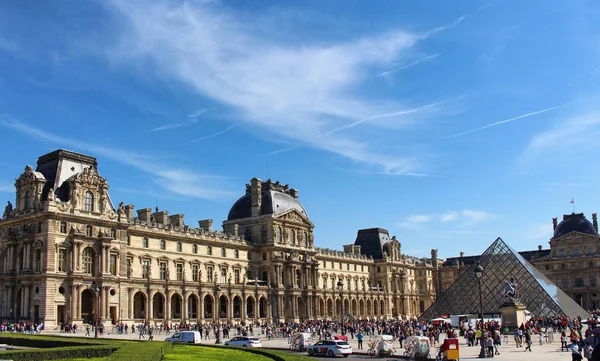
[63,240]
[571,262]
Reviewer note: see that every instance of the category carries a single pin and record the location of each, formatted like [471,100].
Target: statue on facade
[510,289]
[121,210]
[51,194]
[7,210]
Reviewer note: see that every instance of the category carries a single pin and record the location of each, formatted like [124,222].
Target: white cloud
[177,180]
[191,119]
[465,217]
[541,231]
[306,89]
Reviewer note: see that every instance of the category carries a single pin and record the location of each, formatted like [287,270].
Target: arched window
[279,235]
[89,231]
[27,200]
[145,242]
[63,227]
[293,237]
[305,239]
[162,244]
[88,201]
[248,235]
[263,234]
[179,246]
[87,260]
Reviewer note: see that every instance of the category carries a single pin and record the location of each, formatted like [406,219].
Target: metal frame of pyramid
[500,262]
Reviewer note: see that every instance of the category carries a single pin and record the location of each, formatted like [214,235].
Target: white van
[185,337]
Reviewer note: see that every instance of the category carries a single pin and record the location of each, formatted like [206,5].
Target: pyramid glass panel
[501,263]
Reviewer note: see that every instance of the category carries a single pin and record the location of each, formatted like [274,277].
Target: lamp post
[479,274]
[219,335]
[96,290]
[340,287]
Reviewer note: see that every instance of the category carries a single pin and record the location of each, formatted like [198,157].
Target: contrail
[218,133]
[505,121]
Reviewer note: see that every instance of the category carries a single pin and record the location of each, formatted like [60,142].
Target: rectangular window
[236,276]
[209,274]
[179,272]
[362,268]
[420,288]
[578,282]
[592,280]
[145,265]
[163,270]
[113,264]
[340,265]
[347,266]
[223,275]
[195,273]
[195,249]
[62,260]
[128,265]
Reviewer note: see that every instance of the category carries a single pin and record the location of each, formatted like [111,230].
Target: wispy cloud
[311,88]
[567,137]
[505,121]
[181,181]
[191,119]
[465,217]
[409,65]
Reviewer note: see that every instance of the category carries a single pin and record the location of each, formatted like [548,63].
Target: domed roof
[276,199]
[574,222]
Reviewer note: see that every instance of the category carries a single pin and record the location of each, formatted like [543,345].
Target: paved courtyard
[508,351]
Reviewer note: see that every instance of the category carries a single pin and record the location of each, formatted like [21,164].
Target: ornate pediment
[28,177]
[295,216]
[90,176]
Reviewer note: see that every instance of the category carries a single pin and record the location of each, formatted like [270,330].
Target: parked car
[330,348]
[185,337]
[244,341]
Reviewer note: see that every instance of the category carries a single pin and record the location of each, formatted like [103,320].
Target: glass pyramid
[500,262]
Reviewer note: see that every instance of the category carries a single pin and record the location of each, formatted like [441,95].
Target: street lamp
[479,274]
[340,287]
[96,290]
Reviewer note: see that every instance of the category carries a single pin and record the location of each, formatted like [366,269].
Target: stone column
[107,303]
[167,315]
[73,263]
[79,256]
[149,308]
[243,306]
[27,255]
[184,308]
[200,306]
[130,304]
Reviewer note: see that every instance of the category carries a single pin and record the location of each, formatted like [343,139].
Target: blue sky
[449,123]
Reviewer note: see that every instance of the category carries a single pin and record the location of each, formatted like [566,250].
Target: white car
[244,341]
[330,348]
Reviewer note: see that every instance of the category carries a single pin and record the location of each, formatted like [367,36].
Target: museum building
[69,255]
[572,262]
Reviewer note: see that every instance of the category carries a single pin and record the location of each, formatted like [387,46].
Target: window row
[89,262]
[89,230]
[179,247]
[164,272]
[296,238]
[355,267]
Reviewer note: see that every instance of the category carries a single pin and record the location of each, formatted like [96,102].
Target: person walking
[575,353]
[527,335]
[359,337]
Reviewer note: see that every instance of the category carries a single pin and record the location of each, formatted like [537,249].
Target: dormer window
[88,201]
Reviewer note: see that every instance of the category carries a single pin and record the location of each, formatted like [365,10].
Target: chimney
[144,214]
[129,211]
[256,194]
[294,193]
[206,224]
[595,221]
[462,254]
[176,220]
[161,217]
[554,223]
[539,247]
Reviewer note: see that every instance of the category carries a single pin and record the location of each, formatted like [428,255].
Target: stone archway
[88,311]
[139,305]
[369,310]
[192,303]
[376,307]
[223,303]
[354,309]
[346,308]
[250,307]
[301,307]
[361,308]
[338,306]
[237,307]
[176,306]
[330,309]
[321,311]
[158,306]
[382,308]
[262,307]
[208,306]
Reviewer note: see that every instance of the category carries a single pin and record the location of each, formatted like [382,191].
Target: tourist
[563,341]
[359,337]
[587,351]
[528,342]
[575,354]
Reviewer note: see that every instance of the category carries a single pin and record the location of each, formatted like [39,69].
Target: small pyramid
[500,262]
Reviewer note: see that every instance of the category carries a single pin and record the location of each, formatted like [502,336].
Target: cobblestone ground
[548,351]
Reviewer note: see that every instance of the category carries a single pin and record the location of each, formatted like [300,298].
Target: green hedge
[59,353]
[17,339]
